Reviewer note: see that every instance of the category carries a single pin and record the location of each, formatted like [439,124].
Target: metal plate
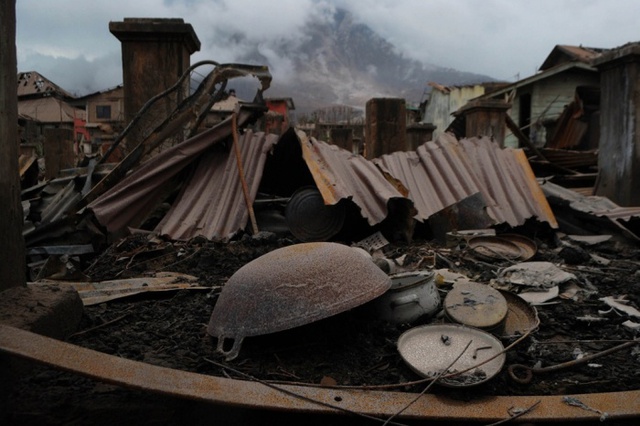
[475,305]
[494,248]
[528,247]
[310,219]
[522,317]
[290,287]
[429,349]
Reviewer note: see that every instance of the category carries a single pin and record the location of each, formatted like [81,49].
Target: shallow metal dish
[429,349]
[522,317]
[528,247]
[495,248]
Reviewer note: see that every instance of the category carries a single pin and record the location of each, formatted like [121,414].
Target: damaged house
[538,101]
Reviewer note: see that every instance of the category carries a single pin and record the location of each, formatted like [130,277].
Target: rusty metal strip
[219,390]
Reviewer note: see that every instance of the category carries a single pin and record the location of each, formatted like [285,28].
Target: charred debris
[232,180]
[480,234]
[453,213]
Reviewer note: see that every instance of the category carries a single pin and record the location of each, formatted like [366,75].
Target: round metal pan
[494,248]
[522,317]
[528,247]
[430,349]
[503,247]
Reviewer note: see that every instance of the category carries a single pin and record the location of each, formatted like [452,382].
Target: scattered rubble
[285,244]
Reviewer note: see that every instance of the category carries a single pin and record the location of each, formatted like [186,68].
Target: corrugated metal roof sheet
[625,219]
[576,53]
[211,203]
[537,77]
[446,171]
[134,195]
[593,204]
[438,175]
[340,174]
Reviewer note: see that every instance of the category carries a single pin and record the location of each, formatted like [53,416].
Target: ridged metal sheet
[339,174]
[138,192]
[428,175]
[446,171]
[211,204]
[595,205]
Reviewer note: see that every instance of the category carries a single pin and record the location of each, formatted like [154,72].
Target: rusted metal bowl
[290,287]
[512,247]
[494,248]
[528,247]
[522,317]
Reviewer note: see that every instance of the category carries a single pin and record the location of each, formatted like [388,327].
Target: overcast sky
[68,41]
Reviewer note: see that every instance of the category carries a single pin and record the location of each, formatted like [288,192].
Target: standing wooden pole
[12,252]
[245,188]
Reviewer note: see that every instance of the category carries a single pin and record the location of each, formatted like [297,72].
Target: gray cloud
[69,42]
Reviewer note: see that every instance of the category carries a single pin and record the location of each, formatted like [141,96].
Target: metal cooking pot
[411,296]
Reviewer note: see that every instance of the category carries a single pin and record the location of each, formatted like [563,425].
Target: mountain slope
[344,62]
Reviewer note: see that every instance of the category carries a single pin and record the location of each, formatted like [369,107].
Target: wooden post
[418,134]
[12,252]
[485,118]
[155,53]
[619,150]
[386,126]
[58,151]
[342,137]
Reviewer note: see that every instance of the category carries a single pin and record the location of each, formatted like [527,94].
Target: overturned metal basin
[290,287]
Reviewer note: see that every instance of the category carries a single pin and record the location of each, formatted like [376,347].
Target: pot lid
[290,287]
[429,349]
[476,305]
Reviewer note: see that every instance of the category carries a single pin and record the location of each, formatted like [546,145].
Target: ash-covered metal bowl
[290,287]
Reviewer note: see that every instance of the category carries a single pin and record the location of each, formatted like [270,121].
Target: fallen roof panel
[138,192]
[446,171]
[627,219]
[211,204]
[340,174]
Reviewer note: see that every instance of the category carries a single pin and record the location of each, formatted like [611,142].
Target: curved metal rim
[219,390]
[327,222]
[495,248]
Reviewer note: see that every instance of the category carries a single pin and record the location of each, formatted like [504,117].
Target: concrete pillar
[58,151]
[419,133]
[619,148]
[342,137]
[485,118]
[155,53]
[12,252]
[386,121]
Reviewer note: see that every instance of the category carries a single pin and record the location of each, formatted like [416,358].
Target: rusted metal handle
[529,371]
